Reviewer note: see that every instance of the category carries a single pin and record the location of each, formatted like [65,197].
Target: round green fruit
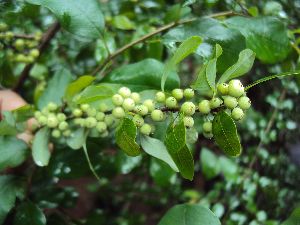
[160,97]
[77,112]
[90,122]
[237,113]
[100,116]
[145,129]
[118,112]
[188,108]
[85,107]
[124,92]
[207,127]
[244,103]
[63,125]
[109,119]
[149,104]
[208,135]
[235,88]
[230,102]
[136,97]
[138,120]
[101,127]
[188,121]
[34,53]
[223,88]
[171,102]
[188,93]
[117,99]
[215,103]
[52,121]
[204,107]
[128,104]
[103,107]
[177,93]
[56,133]
[157,115]
[141,110]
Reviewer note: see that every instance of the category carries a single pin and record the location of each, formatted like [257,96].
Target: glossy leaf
[23,113]
[225,134]
[185,49]
[82,18]
[209,163]
[189,214]
[142,75]
[211,73]
[157,149]
[77,138]
[29,213]
[201,83]
[125,137]
[40,147]
[95,93]
[13,152]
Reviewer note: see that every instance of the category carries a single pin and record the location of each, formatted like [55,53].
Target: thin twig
[25,36]
[50,33]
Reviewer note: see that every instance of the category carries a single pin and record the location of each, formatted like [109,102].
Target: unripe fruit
[235,88]
[90,122]
[138,120]
[149,104]
[204,107]
[207,127]
[9,35]
[157,115]
[215,103]
[37,114]
[42,120]
[101,127]
[19,44]
[52,106]
[109,120]
[91,112]
[63,125]
[61,117]
[177,93]
[117,99]
[208,135]
[77,113]
[223,88]
[79,121]
[128,104]
[171,102]
[244,102]
[34,53]
[237,113]
[3,27]
[104,134]
[230,102]
[100,116]
[141,110]
[125,92]
[56,133]
[188,93]
[188,108]
[118,112]
[20,58]
[136,97]
[145,129]
[67,133]
[84,107]
[52,121]
[160,97]
[188,121]
[103,107]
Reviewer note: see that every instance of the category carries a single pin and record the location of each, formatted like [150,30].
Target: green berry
[109,119]
[149,104]
[145,129]
[223,88]
[215,103]
[157,115]
[79,121]
[188,121]
[56,133]
[160,97]
[20,58]
[230,102]
[188,93]
[244,102]
[104,134]
[118,112]
[52,121]
[3,27]
[52,106]
[103,107]
[63,125]
[77,112]
[138,120]
[177,93]
[42,120]
[61,117]
[100,116]
[237,113]
[90,122]
[188,108]
[37,114]
[141,110]
[207,127]
[171,102]
[9,35]
[136,97]
[19,44]
[67,133]
[101,127]
[208,135]
[235,88]
[124,92]
[34,53]
[91,112]
[204,106]
[117,100]
[128,104]
[85,107]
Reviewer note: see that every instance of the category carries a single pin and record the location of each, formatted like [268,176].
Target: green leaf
[294,218]
[225,134]
[8,127]
[40,148]
[189,214]
[157,149]
[77,138]
[161,173]
[125,137]
[122,22]
[23,113]
[211,73]
[175,142]
[201,83]
[55,89]
[78,85]
[142,75]
[266,36]
[95,93]
[209,163]
[29,213]
[82,18]
[13,152]
[185,49]
[229,168]
[241,67]
[11,188]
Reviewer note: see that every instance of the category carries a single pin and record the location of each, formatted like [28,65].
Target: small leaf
[201,84]
[125,137]
[211,73]
[29,213]
[77,138]
[13,152]
[209,163]
[241,67]
[225,134]
[23,113]
[157,149]
[94,93]
[122,22]
[40,148]
[185,49]
[175,142]
[78,85]
[189,214]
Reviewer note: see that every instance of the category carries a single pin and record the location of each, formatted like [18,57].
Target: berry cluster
[100,121]
[19,48]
